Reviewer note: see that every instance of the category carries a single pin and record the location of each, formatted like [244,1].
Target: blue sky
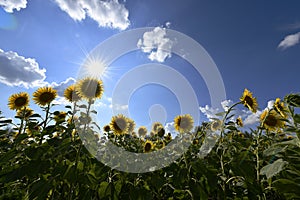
[254,44]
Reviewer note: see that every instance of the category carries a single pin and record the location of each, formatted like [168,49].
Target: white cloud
[289,41]
[209,112]
[109,13]
[226,104]
[10,5]
[169,128]
[60,87]
[252,118]
[61,101]
[104,102]
[248,117]
[156,44]
[168,24]
[119,107]
[16,70]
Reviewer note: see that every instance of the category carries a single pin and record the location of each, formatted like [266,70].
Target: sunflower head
[216,125]
[18,101]
[106,128]
[249,101]
[70,94]
[195,141]
[119,124]
[271,120]
[156,126]
[280,108]
[90,88]
[44,95]
[25,113]
[239,122]
[160,144]
[183,123]
[60,116]
[168,137]
[142,131]
[148,146]
[131,125]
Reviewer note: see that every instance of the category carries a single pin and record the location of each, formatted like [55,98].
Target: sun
[95,67]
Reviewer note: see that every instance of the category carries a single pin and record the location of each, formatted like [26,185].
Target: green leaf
[82,106]
[70,107]
[35,115]
[273,169]
[297,118]
[293,100]
[273,150]
[7,121]
[94,111]
[288,188]
[40,190]
[103,190]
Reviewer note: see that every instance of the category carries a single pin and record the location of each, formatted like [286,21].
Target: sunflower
[90,88]
[195,141]
[148,146]
[131,125]
[70,94]
[18,101]
[271,120]
[119,124]
[216,125]
[168,137]
[239,122]
[156,126]
[106,128]
[44,95]
[159,144]
[142,131]
[25,113]
[183,123]
[280,108]
[60,116]
[249,101]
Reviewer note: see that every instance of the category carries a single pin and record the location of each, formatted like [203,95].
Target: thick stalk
[45,122]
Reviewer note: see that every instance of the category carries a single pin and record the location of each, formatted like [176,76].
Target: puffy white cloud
[209,112]
[156,44]
[169,128]
[61,101]
[289,41]
[226,104]
[16,70]
[60,87]
[10,5]
[109,13]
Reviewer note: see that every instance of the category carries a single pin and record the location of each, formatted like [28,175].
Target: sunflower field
[43,156]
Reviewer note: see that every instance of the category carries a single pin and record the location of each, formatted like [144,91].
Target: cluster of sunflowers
[271,119]
[90,89]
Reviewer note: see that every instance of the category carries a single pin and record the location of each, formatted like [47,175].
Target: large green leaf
[271,170]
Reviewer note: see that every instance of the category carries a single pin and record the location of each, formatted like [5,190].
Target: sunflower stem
[45,122]
[80,146]
[22,121]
